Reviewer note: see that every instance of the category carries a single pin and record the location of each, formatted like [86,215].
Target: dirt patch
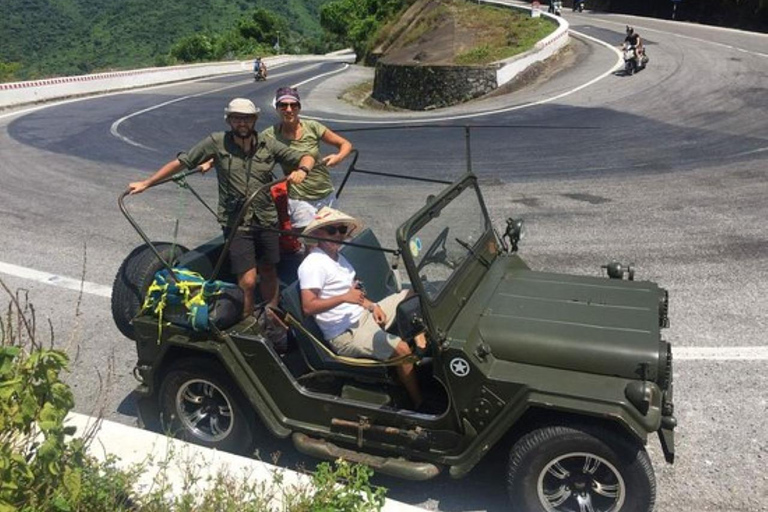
[541,72]
[360,96]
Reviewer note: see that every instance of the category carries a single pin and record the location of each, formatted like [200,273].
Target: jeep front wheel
[579,468]
[200,404]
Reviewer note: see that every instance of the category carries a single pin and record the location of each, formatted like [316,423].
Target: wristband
[372,307]
[304,168]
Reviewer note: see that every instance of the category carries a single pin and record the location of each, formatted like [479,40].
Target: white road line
[114,128]
[426,118]
[690,38]
[321,76]
[87,97]
[56,280]
[758,353]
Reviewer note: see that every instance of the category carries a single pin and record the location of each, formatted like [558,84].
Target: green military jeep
[570,371]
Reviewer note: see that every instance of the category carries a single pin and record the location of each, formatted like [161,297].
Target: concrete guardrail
[544,49]
[16,94]
[172,461]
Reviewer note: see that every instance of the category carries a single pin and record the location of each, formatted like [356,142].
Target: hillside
[458,32]
[65,37]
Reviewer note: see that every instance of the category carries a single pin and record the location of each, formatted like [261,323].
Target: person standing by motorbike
[244,163]
[307,197]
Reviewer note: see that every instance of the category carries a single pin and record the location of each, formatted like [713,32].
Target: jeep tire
[579,467]
[133,279]
[199,403]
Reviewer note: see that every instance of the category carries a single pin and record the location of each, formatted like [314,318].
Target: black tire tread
[133,279]
[625,449]
[243,437]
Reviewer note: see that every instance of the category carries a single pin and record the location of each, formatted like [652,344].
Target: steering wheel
[436,253]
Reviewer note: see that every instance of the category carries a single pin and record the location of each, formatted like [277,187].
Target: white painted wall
[20,93]
[510,68]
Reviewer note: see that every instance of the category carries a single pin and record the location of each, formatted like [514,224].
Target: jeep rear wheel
[133,279]
[579,468]
[201,404]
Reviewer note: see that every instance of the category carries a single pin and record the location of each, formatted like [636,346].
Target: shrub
[44,469]
[41,467]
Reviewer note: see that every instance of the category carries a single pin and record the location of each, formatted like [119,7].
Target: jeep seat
[373,270]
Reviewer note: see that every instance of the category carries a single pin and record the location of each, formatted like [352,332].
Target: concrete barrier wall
[428,87]
[20,93]
[508,69]
[418,87]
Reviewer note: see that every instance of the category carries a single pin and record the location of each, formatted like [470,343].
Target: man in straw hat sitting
[350,322]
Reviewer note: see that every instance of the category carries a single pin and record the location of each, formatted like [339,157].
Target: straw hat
[327,216]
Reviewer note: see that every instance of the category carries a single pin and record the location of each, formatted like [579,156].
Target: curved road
[665,169]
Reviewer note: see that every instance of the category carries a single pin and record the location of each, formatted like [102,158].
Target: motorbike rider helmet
[241,106]
[630,30]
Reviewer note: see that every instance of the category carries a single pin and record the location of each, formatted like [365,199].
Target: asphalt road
[666,169]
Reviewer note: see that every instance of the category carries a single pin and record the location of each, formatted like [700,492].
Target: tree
[194,48]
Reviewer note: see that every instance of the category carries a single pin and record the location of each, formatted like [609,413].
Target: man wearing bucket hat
[244,163]
[350,322]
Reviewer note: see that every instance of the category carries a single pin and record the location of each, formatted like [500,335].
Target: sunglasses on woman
[284,106]
[332,230]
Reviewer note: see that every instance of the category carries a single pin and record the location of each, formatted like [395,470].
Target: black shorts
[253,247]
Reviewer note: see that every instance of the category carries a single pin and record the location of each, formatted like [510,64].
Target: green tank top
[318,183]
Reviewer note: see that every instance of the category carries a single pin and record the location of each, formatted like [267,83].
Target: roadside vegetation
[501,32]
[45,466]
[41,38]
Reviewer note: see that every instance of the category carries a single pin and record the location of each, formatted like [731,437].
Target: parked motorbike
[633,60]
[578,5]
[556,7]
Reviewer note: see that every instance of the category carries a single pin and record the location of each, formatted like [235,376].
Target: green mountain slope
[65,37]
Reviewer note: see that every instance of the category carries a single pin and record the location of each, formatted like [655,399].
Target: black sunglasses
[284,106]
[332,230]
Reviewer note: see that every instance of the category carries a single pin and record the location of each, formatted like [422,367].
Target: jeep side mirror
[616,270]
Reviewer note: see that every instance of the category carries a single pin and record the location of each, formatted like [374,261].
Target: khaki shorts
[365,338]
[303,212]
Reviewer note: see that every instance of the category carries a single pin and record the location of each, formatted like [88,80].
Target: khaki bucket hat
[327,216]
[242,106]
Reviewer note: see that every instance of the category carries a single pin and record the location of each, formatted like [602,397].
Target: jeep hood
[588,324]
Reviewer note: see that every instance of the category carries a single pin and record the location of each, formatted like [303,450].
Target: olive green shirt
[240,174]
[317,184]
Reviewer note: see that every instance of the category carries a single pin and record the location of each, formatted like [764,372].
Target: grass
[500,32]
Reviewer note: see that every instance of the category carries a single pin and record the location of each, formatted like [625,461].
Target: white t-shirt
[319,271]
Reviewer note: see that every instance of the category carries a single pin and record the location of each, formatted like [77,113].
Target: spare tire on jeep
[133,279]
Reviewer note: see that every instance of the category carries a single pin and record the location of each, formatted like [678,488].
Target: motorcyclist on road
[260,67]
[634,40]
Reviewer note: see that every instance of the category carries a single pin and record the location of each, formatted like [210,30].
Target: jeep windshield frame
[447,247]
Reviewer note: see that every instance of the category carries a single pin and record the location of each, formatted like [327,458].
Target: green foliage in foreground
[44,469]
